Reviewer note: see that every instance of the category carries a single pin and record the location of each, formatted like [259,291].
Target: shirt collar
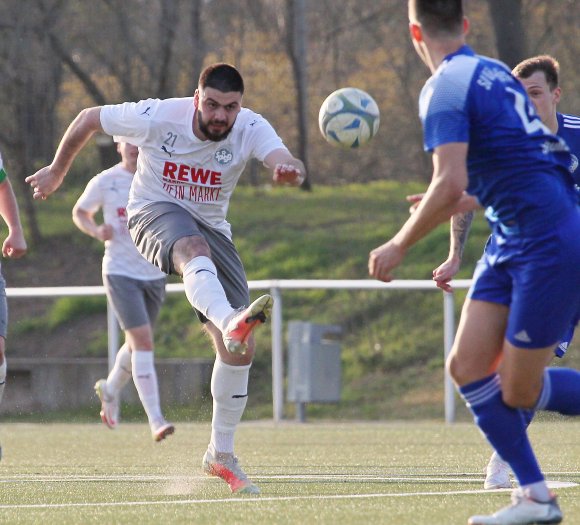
[463,50]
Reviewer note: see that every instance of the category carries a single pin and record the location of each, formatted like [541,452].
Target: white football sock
[229,388]
[2,378]
[205,292]
[145,379]
[538,491]
[121,372]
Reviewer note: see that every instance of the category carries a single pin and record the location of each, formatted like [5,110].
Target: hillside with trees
[59,56]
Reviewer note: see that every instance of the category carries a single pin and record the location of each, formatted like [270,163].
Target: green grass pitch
[313,473]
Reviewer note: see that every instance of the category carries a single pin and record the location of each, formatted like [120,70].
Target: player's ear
[557,93]
[465,26]
[416,33]
[196,98]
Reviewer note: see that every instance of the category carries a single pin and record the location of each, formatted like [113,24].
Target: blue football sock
[528,415]
[503,426]
[561,391]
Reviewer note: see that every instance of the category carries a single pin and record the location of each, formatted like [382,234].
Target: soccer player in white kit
[192,153]
[135,289]
[14,246]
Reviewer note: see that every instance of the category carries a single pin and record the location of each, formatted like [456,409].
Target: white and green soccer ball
[349,118]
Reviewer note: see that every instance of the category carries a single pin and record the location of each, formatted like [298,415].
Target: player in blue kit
[540,77]
[487,140]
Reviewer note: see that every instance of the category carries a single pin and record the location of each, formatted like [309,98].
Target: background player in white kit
[192,153]
[14,246]
[135,289]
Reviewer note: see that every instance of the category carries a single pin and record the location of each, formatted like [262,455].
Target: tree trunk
[297,50]
[199,47]
[510,33]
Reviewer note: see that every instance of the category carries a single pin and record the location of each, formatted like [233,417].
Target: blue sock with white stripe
[561,391]
[503,426]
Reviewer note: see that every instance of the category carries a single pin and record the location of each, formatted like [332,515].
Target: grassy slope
[392,343]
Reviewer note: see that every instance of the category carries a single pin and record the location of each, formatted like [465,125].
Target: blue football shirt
[517,169]
[569,130]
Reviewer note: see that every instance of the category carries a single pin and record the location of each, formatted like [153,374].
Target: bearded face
[216,112]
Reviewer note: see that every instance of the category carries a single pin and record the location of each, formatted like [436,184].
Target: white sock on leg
[145,379]
[205,292]
[229,388]
[121,372]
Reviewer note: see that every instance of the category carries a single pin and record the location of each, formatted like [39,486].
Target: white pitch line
[551,484]
[240,500]
[354,478]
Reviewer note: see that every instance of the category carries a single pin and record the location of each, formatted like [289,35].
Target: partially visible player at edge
[192,153]
[540,77]
[475,115]
[135,288]
[14,246]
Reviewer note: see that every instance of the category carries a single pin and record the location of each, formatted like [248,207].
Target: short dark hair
[544,63]
[439,18]
[223,77]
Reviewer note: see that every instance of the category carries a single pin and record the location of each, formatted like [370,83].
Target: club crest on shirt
[223,156]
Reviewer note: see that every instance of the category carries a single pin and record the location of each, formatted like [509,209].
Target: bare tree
[198,44]
[510,32]
[297,38]
[31,78]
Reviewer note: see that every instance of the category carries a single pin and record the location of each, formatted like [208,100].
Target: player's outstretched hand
[44,182]
[14,245]
[288,174]
[443,274]
[384,259]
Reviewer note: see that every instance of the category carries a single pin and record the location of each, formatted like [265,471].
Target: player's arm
[14,245]
[48,179]
[460,226]
[440,202]
[85,221]
[286,168]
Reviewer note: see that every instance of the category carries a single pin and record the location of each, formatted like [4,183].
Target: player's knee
[187,248]
[231,359]
[250,351]
[456,370]
[237,359]
[519,397]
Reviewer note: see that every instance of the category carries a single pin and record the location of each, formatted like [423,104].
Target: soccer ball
[349,118]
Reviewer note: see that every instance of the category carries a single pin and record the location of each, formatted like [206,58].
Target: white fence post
[277,357]
[448,336]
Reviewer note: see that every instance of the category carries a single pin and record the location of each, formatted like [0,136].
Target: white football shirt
[109,191]
[175,166]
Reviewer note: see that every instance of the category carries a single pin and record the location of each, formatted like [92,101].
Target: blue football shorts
[562,348]
[538,278]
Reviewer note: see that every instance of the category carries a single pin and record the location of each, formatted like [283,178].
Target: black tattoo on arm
[460,226]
